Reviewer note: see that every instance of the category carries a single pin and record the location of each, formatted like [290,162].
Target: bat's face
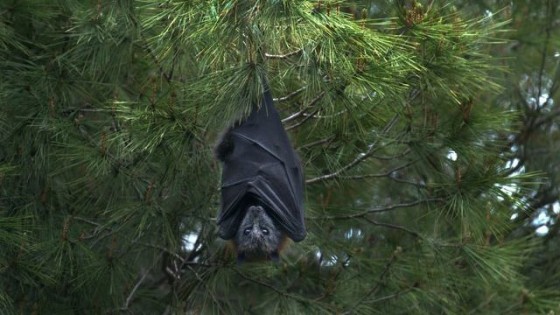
[257,235]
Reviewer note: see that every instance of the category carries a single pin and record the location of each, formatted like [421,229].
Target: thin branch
[379,281]
[287,97]
[162,249]
[390,158]
[133,291]
[386,174]
[283,56]
[376,210]
[327,116]
[146,46]
[361,157]
[391,296]
[318,142]
[279,292]
[302,121]
[408,182]
[86,221]
[541,120]
[184,261]
[199,278]
[301,112]
[393,226]
[544,51]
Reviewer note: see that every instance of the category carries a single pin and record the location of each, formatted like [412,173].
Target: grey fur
[257,234]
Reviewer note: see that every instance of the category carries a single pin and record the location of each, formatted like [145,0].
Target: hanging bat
[262,185]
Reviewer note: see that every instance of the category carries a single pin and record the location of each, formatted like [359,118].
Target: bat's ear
[240,258]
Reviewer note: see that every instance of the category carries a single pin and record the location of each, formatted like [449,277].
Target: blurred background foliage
[427,130]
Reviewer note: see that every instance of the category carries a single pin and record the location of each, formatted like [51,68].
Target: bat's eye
[246,231]
[265,231]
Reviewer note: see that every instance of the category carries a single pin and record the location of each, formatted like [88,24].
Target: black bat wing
[261,163]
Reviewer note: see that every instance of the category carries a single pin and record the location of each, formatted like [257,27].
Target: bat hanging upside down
[262,185]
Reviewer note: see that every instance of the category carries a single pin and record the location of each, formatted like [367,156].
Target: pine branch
[289,96]
[392,296]
[385,174]
[377,210]
[285,56]
[307,118]
[315,143]
[130,296]
[549,18]
[280,292]
[393,226]
[301,112]
[361,157]
[378,282]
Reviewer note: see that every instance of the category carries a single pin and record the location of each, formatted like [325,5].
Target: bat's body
[262,185]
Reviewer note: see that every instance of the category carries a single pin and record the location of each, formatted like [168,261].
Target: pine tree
[531,88]
[110,109]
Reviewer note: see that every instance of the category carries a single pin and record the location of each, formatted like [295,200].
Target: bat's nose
[255,209]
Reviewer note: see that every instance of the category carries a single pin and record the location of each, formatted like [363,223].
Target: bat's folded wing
[262,165]
[270,186]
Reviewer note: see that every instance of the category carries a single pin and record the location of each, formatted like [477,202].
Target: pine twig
[393,226]
[361,157]
[376,210]
[379,280]
[284,56]
[133,291]
[385,174]
[301,112]
[287,97]
[277,291]
[314,143]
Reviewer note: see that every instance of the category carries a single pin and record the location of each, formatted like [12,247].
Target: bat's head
[257,236]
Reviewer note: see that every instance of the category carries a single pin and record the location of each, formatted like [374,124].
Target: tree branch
[379,280]
[314,143]
[386,174]
[393,226]
[376,210]
[133,291]
[285,56]
[301,112]
[361,157]
[287,97]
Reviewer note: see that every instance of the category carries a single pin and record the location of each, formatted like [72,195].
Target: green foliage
[108,115]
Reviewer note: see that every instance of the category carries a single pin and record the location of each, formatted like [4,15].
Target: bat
[262,185]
